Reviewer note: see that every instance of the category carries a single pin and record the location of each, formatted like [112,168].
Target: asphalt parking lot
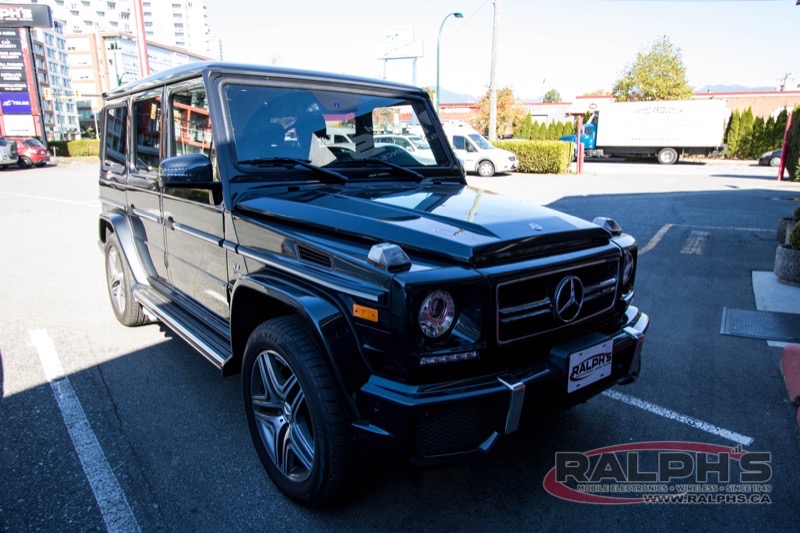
[167,438]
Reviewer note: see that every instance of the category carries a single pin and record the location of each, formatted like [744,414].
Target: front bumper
[447,422]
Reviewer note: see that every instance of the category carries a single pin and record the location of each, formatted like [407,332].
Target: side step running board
[212,346]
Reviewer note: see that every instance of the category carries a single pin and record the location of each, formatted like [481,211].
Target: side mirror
[190,171]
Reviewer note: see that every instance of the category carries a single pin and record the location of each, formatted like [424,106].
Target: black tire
[485,169]
[667,156]
[118,280]
[24,162]
[775,161]
[294,413]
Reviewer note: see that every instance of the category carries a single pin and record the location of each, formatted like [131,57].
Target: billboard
[25,16]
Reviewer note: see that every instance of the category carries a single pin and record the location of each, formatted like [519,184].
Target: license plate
[589,366]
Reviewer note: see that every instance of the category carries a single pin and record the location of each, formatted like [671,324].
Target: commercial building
[99,51]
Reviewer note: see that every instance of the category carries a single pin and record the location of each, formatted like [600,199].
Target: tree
[658,73]
[551,96]
[508,113]
[431,92]
[598,92]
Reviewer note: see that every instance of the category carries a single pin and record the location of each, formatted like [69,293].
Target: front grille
[525,308]
[455,428]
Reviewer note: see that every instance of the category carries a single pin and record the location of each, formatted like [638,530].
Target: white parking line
[93,203]
[116,512]
[656,238]
[688,420]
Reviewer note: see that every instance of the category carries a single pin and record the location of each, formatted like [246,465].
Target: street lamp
[438,43]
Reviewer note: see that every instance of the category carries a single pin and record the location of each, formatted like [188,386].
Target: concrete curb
[790,368]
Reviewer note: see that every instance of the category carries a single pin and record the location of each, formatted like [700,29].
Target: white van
[477,152]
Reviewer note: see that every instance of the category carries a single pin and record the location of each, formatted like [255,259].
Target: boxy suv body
[8,153]
[367,299]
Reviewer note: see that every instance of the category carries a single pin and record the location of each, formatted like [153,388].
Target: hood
[446,220]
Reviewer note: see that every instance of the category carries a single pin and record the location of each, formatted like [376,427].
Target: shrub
[540,157]
[794,237]
[793,146]
[796,214]
[60,146]
[81,148]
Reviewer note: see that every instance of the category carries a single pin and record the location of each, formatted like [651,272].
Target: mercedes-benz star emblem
[568,299]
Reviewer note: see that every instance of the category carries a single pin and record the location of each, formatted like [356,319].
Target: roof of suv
[192,70]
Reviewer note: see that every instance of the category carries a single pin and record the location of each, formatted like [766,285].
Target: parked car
[8,153]
[31,152]
[414,145]
[372,302]
[771,159]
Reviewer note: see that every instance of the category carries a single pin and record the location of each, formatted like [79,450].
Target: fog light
[452,358]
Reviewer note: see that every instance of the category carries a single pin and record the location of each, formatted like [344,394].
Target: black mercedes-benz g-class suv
[368,298]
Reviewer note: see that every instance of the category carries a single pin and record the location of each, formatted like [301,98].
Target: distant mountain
[732,89]
[449,97]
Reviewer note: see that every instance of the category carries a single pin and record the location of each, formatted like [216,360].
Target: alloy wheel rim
[281,415]
[116,280]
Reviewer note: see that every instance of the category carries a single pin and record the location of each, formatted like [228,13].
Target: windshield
[327,128]
[481,141]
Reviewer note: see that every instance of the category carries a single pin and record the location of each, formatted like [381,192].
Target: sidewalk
[772,295]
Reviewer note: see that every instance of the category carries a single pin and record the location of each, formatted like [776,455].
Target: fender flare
[331,326]
[120,225]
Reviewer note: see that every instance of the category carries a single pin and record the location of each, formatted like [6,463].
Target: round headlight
[436,314]
[627,268]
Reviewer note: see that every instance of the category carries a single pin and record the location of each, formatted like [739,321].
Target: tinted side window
[191,124]
[116,135]
[146,119]
[458,142]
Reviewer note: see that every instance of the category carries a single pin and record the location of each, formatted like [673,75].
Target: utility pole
[493,75]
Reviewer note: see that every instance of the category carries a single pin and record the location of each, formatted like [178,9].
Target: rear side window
[116,134]
[191,123]
[146,119]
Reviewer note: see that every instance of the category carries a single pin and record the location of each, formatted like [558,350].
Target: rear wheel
[24,162]
[775,161]
[294,413]
[485,169]
[118,279]
[667,156]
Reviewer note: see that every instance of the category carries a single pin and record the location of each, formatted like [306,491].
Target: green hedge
[793,146]
[82,148]
[540,157]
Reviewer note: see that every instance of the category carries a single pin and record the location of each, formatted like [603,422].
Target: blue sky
[573,46]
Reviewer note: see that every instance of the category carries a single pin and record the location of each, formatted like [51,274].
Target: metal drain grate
[765,325]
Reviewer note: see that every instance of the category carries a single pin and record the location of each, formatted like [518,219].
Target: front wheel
[775,161]
[667,156]
[118,279]
[485,169]
[24,162]
[294,413]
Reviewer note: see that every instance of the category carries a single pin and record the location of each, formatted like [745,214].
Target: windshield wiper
[372,161]
[290,162]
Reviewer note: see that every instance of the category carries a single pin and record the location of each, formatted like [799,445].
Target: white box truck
[665,129]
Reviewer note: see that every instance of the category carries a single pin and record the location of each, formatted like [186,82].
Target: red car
[31,152]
